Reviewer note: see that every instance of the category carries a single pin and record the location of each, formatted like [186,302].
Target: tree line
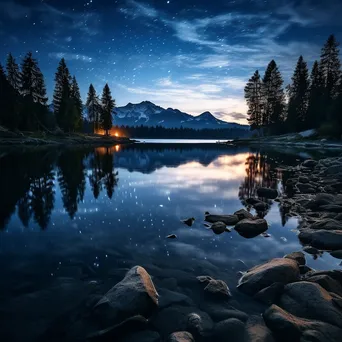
[310,101]
[24,101]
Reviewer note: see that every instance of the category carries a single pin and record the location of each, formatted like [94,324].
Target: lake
[74,220]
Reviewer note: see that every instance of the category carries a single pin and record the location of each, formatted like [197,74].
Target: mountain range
[147,113]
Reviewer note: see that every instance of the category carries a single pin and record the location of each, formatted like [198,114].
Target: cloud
[71,56]
[138,9]
[14,10]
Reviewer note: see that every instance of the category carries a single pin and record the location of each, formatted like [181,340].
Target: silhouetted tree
[253,95]
[298,97]
[78,110]
[274,98]
[108,105]
[96,175]
[93,108]
[110,180]
[13,73]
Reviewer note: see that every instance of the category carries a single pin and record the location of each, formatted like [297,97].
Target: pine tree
[93,108]
[253,96]
[78,106]
[298,97]
[13,73]
[337,112]
[273,97]
[61,97]
[315,116]
[108,105]
[330,68]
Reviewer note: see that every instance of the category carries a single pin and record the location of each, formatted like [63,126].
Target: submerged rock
[181,336]
[251,227]
[322,239]
[229,220]
[219,228]
[172,236]
[134,295]
[215,287]
[261,206]
[276,270]
[337,254]
[310,163]
[189,222]
[270,294]
[230,329]
[267,193]
[257,331]
[244,214]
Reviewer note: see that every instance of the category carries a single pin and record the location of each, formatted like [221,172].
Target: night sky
[194,55]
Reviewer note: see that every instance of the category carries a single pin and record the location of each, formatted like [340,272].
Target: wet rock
[338,217]
[231,329]
[252,201]
[175,318]
[291,328]
[276,270]
[305,269]
[181,336]
[204,279]
[142,336]
[328,283]
[326,223]
[310,301]
[311,250]
[219,228]
[172,236]
[195,325]
[303,179]
[270,294]
[252,227]
[320,199]
[218,288]
[134,295]
[244,214]
[297,256]
[335,274]
[310,163]
[334,208]
[305,188]
[257,331]
[333,170]
[337,254]
[261,206]
[267,193]
[229,220]
[167,298]
[189,222]
[322,239]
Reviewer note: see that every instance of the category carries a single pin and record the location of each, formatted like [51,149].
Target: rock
[256,330]
[217,288]
[333,170]
[305,269]
[305,188]
[134,295]
[172,236]
[310,301]
[230,329]
[181,336]
[195,325]
[229,220]
[311,250]
[298,256]
[220,310]
[320,199]
[310,163]
[142,336]
[337,254]
[167,298]
[252,227]
[244,214]
[219,228]
[261,206]
[270,295]
[252,201]
[189,222]
[303,179]
[276,270]
[338,217]
[322,239]
[267,193]
[334,208]
[326,223]
[204,279]
[175,318]
[292,328]
[328,283]
[335,274]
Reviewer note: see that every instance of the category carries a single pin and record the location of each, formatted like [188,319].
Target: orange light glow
[112,132]
[117,148]
[116,134]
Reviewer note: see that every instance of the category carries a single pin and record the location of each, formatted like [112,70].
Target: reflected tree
[95,176]
[71,179]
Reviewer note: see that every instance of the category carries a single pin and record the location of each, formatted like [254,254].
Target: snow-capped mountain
[148,114]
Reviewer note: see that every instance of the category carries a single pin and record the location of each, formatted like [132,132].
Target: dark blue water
[74,220]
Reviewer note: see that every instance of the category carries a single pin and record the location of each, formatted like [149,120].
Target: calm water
[75,217]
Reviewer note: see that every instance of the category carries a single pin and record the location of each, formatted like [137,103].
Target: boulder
[279,270]
[327,223]
[229,220]
[244,214]
[328,283]
[181,336]
[287,327]
[217,288]
[257,331]
[338,217]
[303,179]
[298,256]
[305,188]
[267,193]
[195,326]
[252,201]
[261,206]
[167,298]
[337,254]
[134,295]
[322,239]
[220,311]
[335,274]
[310,163]
[333,170]
[252,227]
[230,329]
[334,208]
[219,228]
[311,250]
[270,295]
[309,300]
